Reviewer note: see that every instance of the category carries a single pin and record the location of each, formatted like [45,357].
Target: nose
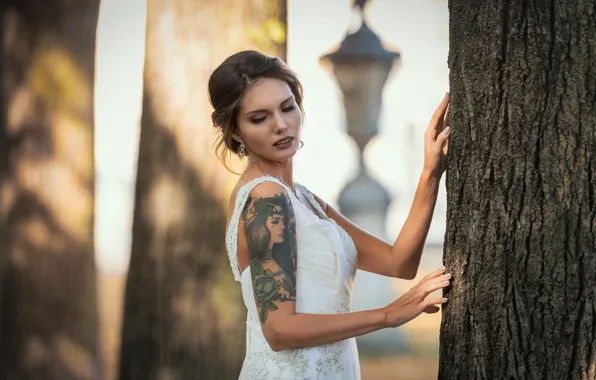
[280,123]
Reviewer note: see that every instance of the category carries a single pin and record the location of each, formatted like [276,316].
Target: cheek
[256,135]
[295,120]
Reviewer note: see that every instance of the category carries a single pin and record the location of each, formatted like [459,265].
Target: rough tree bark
[184,318]
[48,316]
[521,191]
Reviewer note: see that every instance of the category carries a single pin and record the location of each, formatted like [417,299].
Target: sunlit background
[418,29]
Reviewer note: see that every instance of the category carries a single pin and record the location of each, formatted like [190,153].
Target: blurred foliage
[56,78]
[270,34]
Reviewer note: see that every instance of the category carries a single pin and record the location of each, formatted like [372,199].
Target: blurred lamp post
[361,66]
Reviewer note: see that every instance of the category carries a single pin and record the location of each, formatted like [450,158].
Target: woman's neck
[280,170]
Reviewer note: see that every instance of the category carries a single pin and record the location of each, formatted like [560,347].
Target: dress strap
[232,232]
[313,202]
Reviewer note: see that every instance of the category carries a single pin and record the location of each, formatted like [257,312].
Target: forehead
[266,93]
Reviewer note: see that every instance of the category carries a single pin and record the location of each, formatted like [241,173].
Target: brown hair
[228,84]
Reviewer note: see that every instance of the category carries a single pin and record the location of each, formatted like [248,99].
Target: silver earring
[242,150]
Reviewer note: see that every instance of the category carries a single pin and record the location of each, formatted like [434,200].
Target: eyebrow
[263,110]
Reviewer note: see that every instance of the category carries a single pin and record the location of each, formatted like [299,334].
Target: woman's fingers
[443,136]
[446,120]
[433,274]
[431,309]
[436,122]
[430,305]
[435,301]
[438,283]
[440,112]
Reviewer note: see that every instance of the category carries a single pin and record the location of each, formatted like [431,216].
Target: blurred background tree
[184,318]
[48,316]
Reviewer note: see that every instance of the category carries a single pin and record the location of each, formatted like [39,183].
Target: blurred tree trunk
[521,220]
[48,316]
[184,318]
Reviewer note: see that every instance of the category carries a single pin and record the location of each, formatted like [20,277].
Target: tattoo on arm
[270,229]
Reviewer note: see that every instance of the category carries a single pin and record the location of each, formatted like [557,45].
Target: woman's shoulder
[261,186]
[314,197]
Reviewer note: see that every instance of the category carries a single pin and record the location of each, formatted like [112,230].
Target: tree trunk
[521,188]
[184,318]
[48,316]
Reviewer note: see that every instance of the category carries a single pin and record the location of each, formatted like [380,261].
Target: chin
[282,155]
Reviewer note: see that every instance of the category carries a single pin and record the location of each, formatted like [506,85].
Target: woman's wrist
[431,176]
[389,316]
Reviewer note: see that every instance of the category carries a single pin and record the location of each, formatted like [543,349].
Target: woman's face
[275,225]
[269,120]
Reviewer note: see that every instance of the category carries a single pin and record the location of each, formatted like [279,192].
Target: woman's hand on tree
[414,302]
[436,140]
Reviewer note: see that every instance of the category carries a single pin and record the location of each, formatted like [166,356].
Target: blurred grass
[400,368]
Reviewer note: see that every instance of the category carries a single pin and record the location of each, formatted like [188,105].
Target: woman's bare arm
[402,259]
[268,236]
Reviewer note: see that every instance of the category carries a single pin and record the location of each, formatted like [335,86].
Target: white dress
[326,267]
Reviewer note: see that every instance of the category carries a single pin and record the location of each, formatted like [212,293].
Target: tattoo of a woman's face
[270,229]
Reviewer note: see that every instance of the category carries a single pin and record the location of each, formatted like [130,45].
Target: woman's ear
[236,137]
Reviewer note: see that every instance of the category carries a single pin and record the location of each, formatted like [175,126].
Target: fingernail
[445,282]
[442,269]
[448,275]
[447,129]
[444,300]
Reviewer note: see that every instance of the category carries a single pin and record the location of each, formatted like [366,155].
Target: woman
[302,253]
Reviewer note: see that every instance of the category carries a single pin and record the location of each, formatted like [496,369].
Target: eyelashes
[284,110]
[258,121]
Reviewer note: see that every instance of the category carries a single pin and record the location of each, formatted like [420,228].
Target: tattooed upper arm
[270,232]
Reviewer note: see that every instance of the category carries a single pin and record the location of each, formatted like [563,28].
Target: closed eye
[284,110]
[259,120]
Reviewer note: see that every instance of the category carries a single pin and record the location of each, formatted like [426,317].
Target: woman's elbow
[276,337]
[406,274]
[275,344]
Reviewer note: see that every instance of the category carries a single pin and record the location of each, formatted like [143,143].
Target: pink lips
[284,141]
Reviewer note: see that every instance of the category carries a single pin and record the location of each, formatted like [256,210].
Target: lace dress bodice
[326,267]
